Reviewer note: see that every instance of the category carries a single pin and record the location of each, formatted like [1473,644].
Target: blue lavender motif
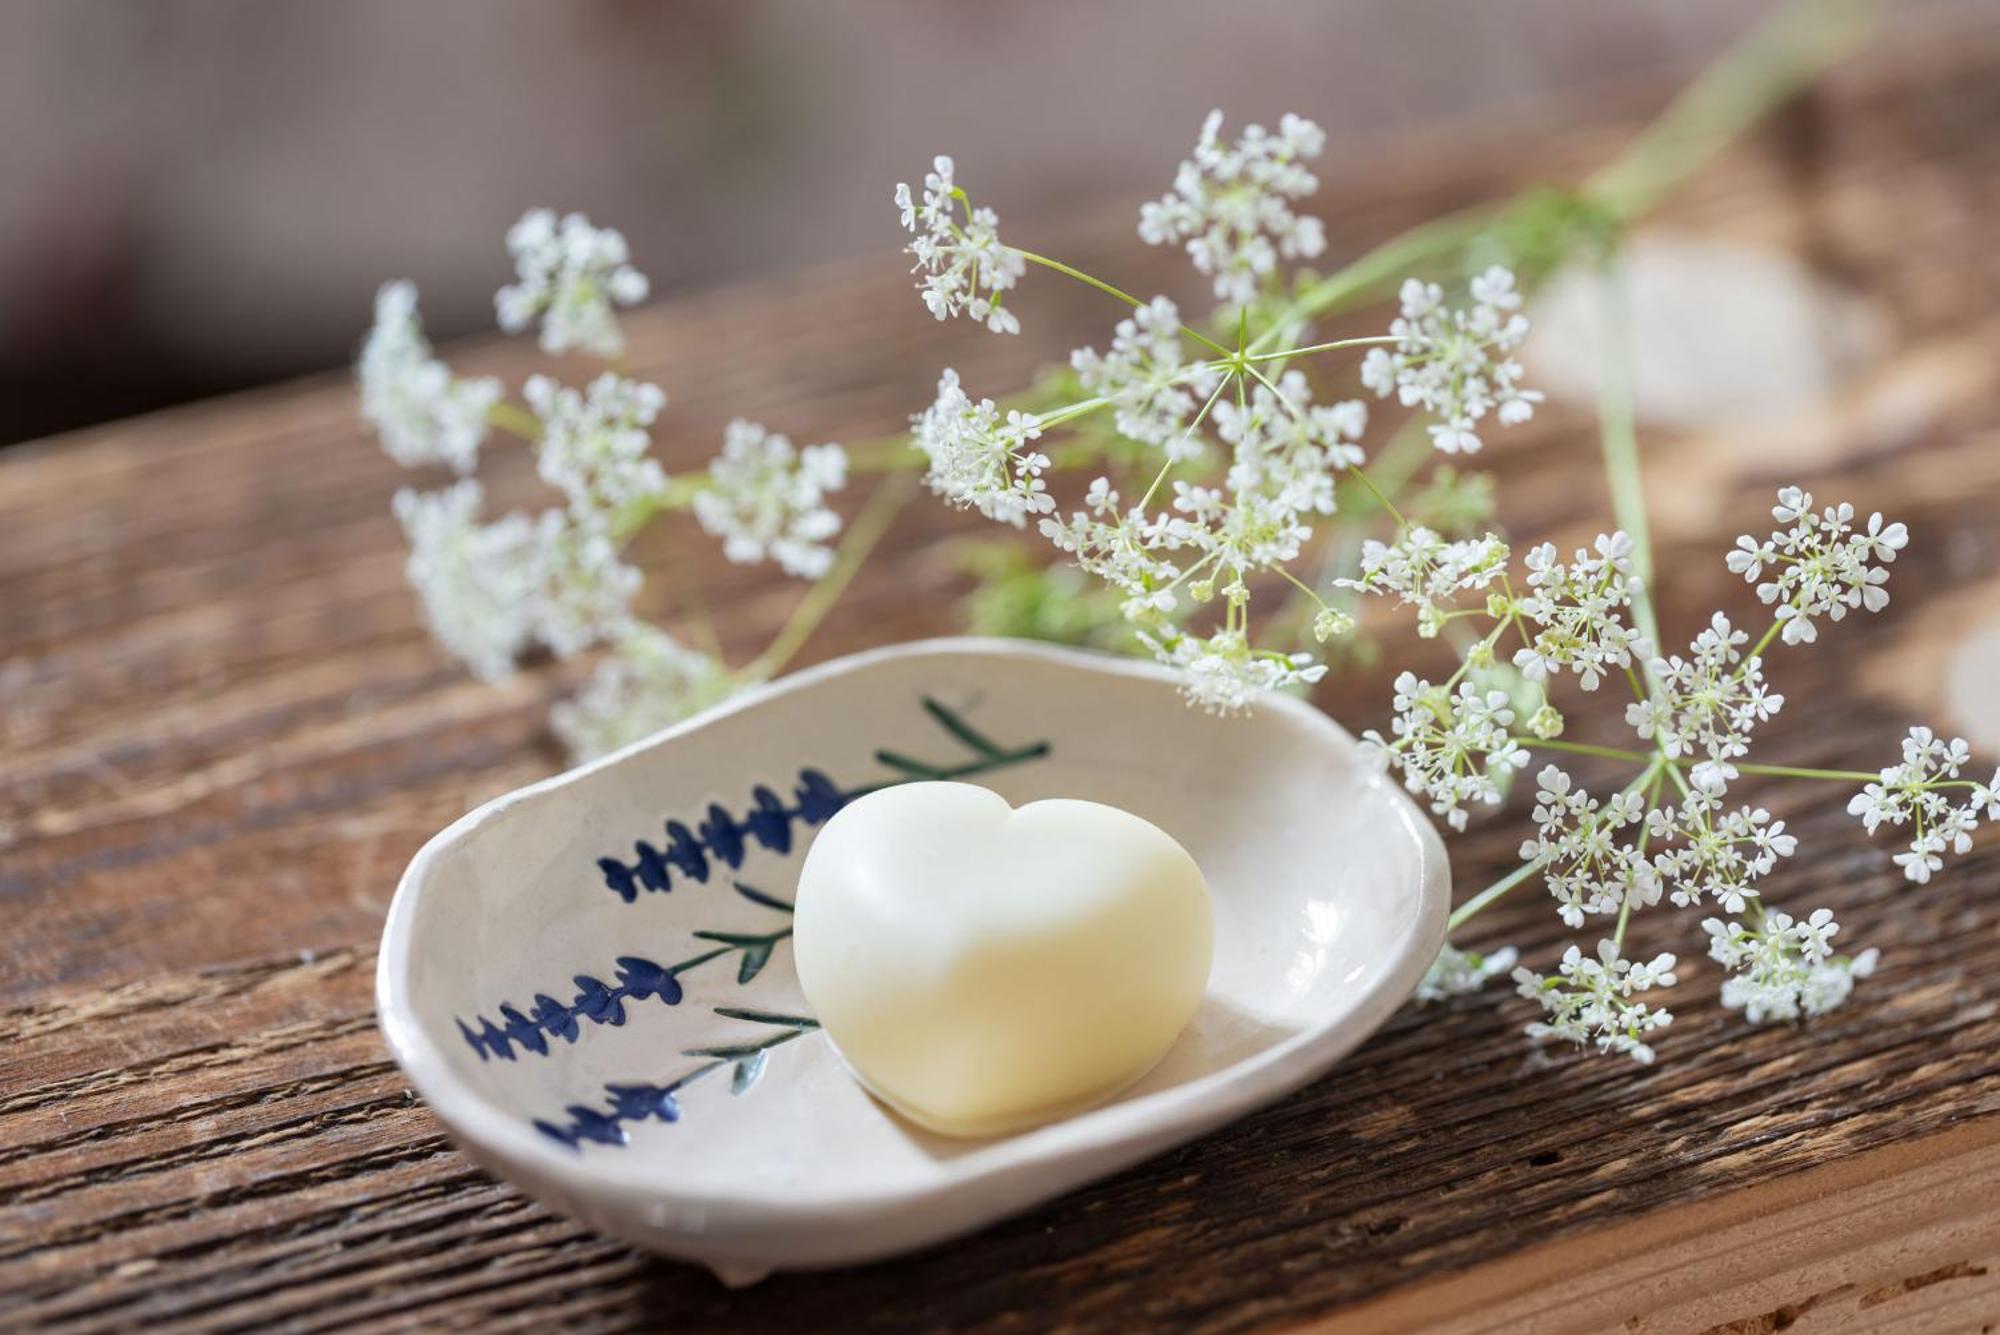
[719,837]
[726,838]
[650,1102]
[639,979]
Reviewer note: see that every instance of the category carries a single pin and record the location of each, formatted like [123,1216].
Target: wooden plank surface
[225,732]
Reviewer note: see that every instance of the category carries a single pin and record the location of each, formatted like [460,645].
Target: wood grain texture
[225,732]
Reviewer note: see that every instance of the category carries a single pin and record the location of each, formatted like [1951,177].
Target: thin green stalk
[515,419]
[1110,291]
[1619,437]
[888,499]
[1583,749]
[1783,55]
[1465,912]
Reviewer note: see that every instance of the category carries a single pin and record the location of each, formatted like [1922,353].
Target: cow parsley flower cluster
[1152,385]
[1232,204]
[1706,704]
[1822,565]
[1459,973]
[474,579]
[1780,969]
[1592,1001]
[1425,571]
[1575,609]
[424,414]
[765,499]
[570,275]
[959,252]
[651,681]
[1917,793]
[982,458]
[1576,844]
[594,444]
[1453,747]
[559,577]
[1457,364]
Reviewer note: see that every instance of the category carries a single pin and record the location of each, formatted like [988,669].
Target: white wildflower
[1706,704]
[476,581]
[1420,567]
[1783,969]
[1575,611]
[422,413]
[981,459]
[1590,1001]
[1225,674]
[594,446]
[648,682]
[1823,565]
[1129,551]
[766,499]
[1918,792]
[570,274]
[1152,386]
[1457,973]
[1231,204]
[1576,842]
[1453,748]
[1456,365]
[1707,852]
[959,252]
[581,592]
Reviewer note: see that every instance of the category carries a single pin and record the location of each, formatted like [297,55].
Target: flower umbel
[980,458]
[1457,364]
[1451,747]
[1823,565]
[476,581]
[1783,969]
[1591,1001]
[1458,973]
[423,413]
[1232,204]
[594,444]
[1152,387]
[571,275]
[1424,570]
[1575,609]
[649,681]
[766,499]
[958,250]
[1918,793]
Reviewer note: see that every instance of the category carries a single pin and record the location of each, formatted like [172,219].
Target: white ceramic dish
[589,981]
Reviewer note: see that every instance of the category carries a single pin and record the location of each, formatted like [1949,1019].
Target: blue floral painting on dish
[691,850]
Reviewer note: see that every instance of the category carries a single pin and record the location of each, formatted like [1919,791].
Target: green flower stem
[1780,57]
[1471,907]
[678,494]
[1796,772]
[1480,901]
[1584,749]
[869,525]
[1652,779]
[1619,438]
[1784,54]
[1111,291]
[516,420]
[1285,354]
[688,590]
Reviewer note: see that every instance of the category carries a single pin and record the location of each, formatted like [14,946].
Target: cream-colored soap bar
[983,968]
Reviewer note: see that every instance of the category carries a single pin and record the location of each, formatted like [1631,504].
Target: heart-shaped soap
[983,968]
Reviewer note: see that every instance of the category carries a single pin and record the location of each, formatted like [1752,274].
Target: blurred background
[202,196]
